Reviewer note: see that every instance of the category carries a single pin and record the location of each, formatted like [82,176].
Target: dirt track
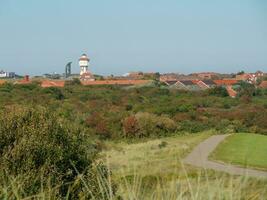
[199,158]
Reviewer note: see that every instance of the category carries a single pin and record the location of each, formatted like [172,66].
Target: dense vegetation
[115,112]
[51,137]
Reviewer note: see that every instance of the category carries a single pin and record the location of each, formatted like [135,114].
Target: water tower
[84,64]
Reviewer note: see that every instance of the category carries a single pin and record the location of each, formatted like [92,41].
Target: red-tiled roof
[201,84]
[116,82]
[225,82]
[231,91]
[23,82]
[48,83]
[2,82]
[263,84]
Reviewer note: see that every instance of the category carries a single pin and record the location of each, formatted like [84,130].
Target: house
[259,73]
[135,75]
[206,75]
[54,83]
[4,74]
[250,77]
[246,77]
[205,84]
[231,92]
[168,77]
[87,76]
[26,80]
[116,82]
[170,82]
[225,82]
[263,85]
[187,85]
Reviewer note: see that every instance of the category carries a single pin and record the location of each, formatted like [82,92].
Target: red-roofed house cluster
[192,82]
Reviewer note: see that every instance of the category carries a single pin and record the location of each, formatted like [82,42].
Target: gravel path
[199,158]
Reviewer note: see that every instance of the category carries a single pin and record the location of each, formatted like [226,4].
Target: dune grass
[244,149]
[153,170]
[152,157]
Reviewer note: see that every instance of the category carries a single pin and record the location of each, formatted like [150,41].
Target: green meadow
[244,149]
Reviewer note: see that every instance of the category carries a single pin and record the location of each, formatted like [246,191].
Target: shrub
[218,91]
[35,142]
[55,92]
[166,124]
[98,122]
[224,126]
[6,87]
[185,108]
[147,124]
[75,81]
[131,127]
[246,89]
[163,144]
[193,126]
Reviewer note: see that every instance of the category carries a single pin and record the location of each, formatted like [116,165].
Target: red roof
[263,84]
[48,83]
[225,82]
[2,82]
[231,91]
[116,82]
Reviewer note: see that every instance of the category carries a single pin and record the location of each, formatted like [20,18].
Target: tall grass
[204,185]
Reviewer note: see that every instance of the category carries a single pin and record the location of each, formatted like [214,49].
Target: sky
[119,36]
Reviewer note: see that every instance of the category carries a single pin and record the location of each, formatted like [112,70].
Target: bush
[75,81]
[146,124]
[193,126]
[6,87]
[34,142]
[55,92]
[131,127]
[218,91]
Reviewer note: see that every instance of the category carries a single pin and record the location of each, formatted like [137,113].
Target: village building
[54,83]
[25,80]
[4,74]
[188,85]
[85,74]
[206,75]
[263,85]
[249,77]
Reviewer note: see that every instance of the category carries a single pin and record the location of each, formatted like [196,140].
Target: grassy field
[152,157]
[153,170]
[243,149]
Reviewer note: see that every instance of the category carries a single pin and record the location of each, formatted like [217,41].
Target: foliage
[109,106]
[55,92]
[131,127]
[218,91]
[34,142]
[74,81]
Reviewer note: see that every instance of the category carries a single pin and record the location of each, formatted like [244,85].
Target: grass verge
[243,149]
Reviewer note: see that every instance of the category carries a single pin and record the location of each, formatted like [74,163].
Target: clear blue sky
[131,35]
